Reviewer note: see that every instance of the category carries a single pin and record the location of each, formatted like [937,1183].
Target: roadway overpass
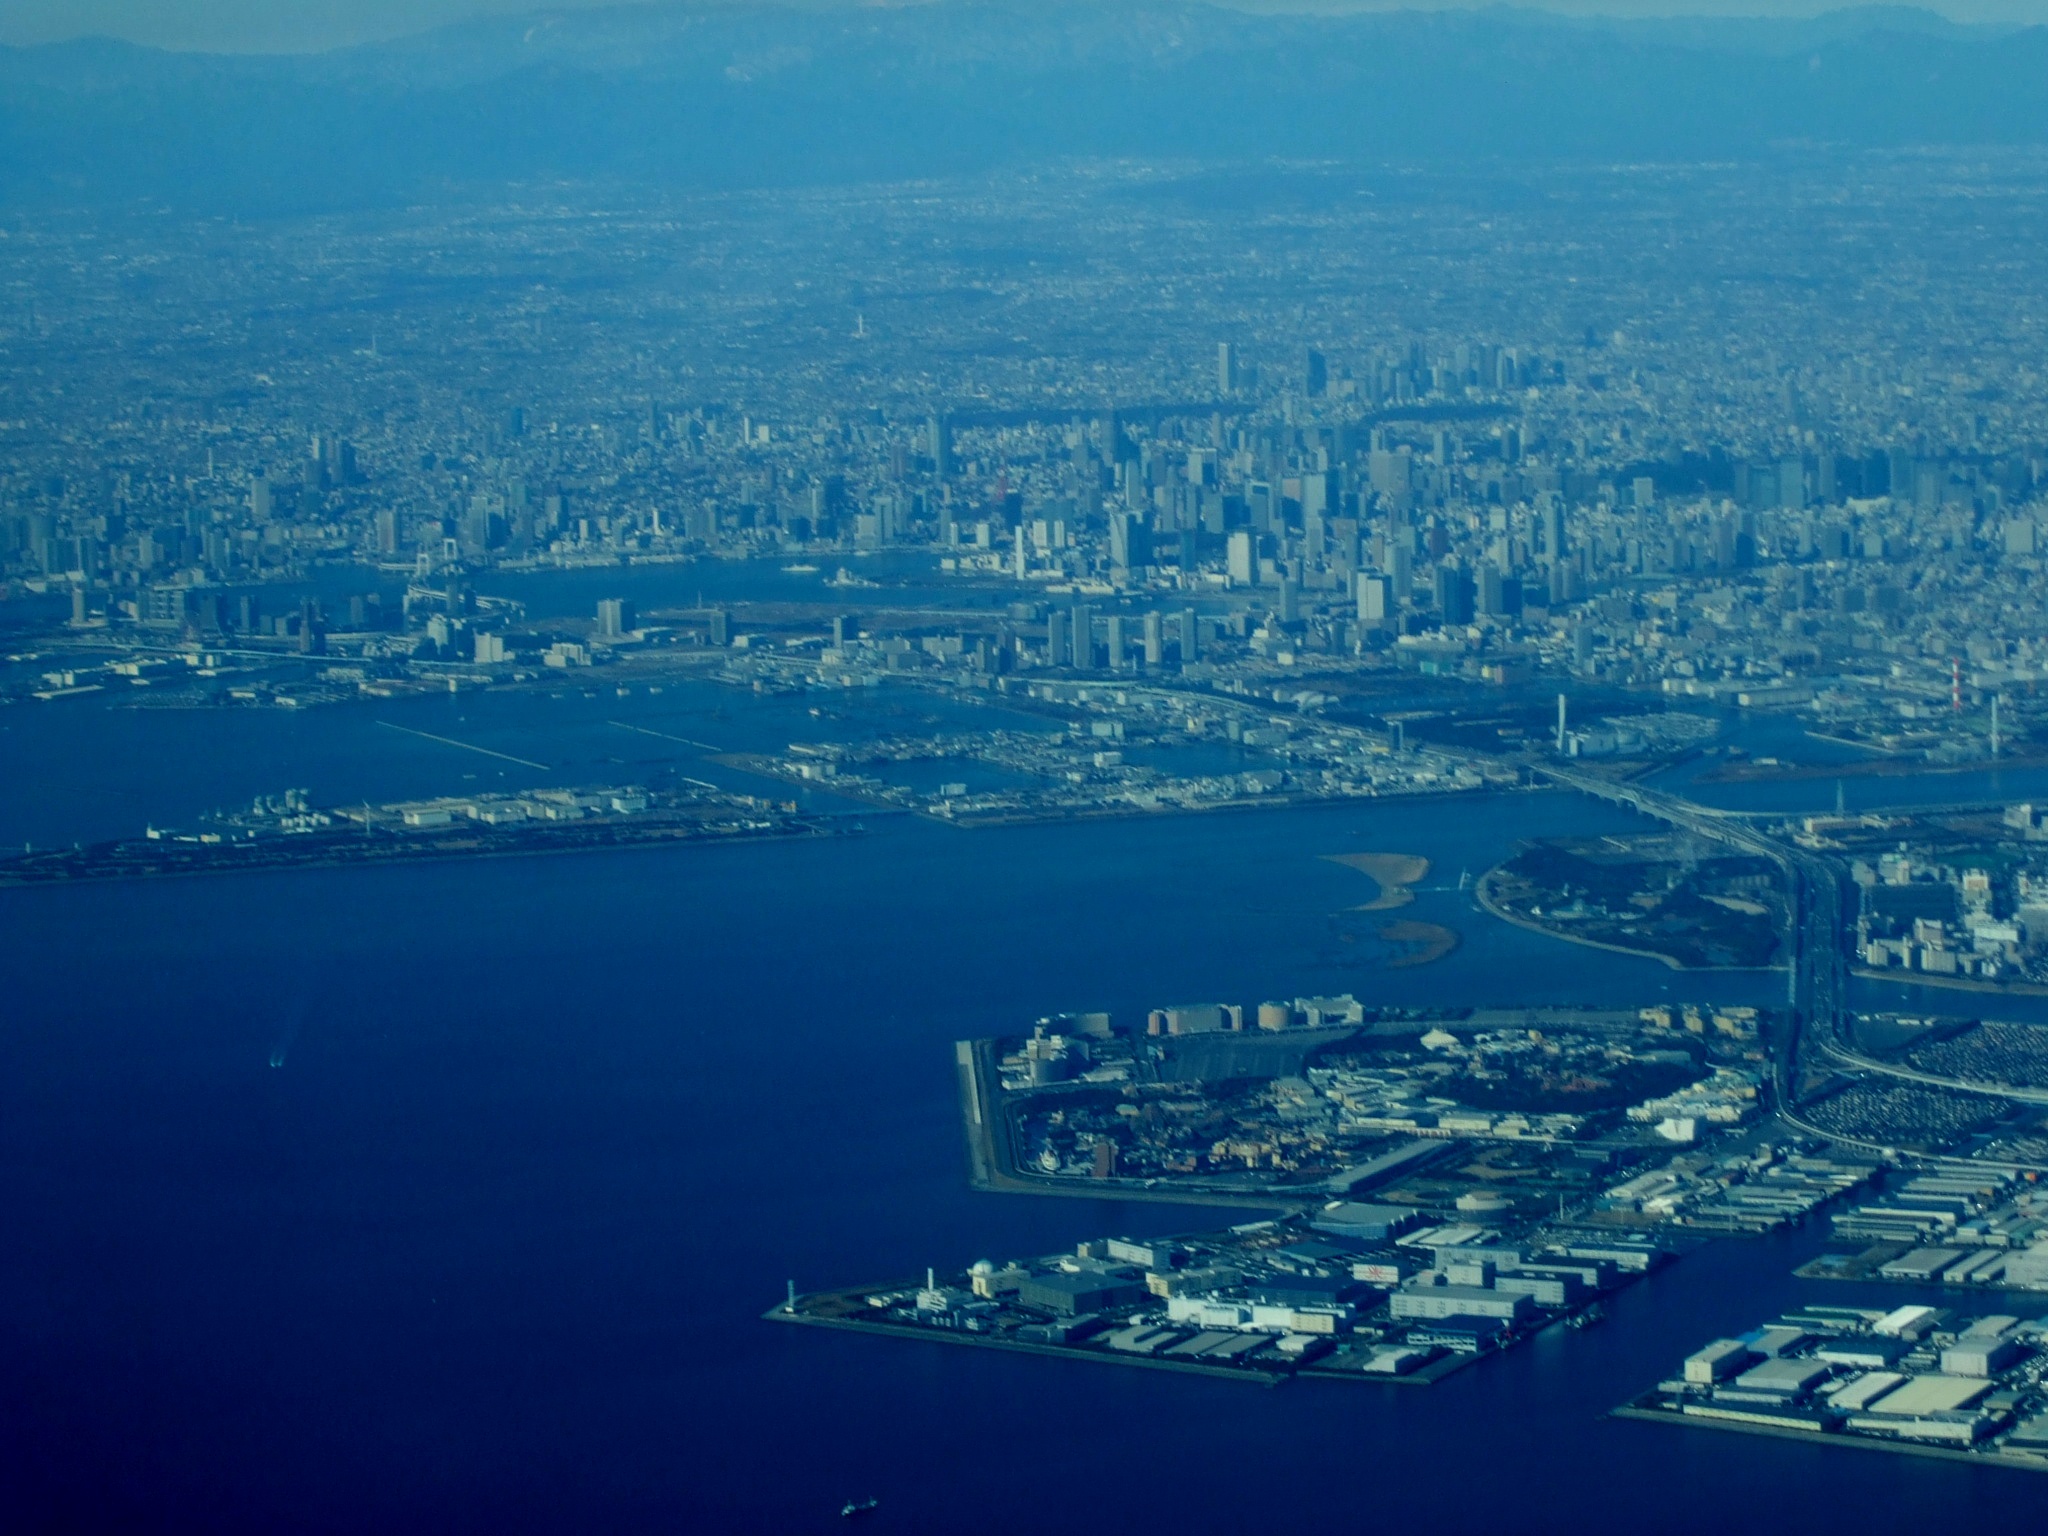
[1817,967]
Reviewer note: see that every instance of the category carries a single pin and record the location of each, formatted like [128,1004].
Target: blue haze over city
[1006,765]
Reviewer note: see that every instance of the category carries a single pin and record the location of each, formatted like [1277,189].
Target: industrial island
[1915,1378]
[1447,1185]
[1444,1186]
[1348,1290]
[287,830]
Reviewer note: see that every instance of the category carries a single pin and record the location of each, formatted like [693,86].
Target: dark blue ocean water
[486,1252]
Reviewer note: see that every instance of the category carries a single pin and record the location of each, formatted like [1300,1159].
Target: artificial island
[1443,1185]
[288,831]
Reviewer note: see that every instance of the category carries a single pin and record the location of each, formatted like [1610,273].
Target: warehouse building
[1066,1295]
[1436,1302]
[1717,1362]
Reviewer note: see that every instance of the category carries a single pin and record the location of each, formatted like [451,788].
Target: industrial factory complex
[1349,1289]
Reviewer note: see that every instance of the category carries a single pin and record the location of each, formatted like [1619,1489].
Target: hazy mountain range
[709,95]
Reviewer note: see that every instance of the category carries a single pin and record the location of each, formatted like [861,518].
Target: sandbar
[1393,873]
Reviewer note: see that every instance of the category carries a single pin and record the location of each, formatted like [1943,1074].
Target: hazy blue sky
[310,24]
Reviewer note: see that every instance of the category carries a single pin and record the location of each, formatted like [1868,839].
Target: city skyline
[692,700]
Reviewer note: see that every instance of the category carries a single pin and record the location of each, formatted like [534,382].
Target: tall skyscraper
[1453,594]
[1321,496]
[1155,640]
[1130,541]
[1226,369]
[1190,637]
[1490,590]
[1056,651]
[1242,567]
[1375,600]
[1553,531]
[1083,640]
[1315,374]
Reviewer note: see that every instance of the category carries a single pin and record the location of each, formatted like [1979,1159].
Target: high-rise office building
[1155,640]
[1226,369]
[1375,600]
[1242,567]
[312,629]
[1899,474]
[1083,639]
[1315,374]
[1553,530]
[1792,483]
[1056,651]
[1321,494]
[1453,594]
[1321,497]
[1400,567]
[1130,541]
[1392,474]
[614,618]
[1490,590]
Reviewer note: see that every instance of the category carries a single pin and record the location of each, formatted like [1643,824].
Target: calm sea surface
[486,1250]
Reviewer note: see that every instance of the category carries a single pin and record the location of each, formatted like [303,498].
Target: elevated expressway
[1817,969]
[1823,913]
